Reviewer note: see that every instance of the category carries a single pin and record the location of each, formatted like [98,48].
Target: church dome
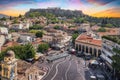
[10,53]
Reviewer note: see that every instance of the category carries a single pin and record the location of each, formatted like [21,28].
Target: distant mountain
[2,15]
[58,12]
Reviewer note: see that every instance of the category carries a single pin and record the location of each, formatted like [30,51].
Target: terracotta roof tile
[89,40]
[9,44]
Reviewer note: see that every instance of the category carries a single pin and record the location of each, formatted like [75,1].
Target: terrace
[115,39]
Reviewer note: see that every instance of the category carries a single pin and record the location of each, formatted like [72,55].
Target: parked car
[93,77]
[72,51]
[88,56]
[80,54]
[97,77]
[93,64]
[100,77]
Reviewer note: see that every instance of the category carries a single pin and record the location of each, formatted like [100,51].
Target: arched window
[83,48]
[95,52]
[79,47]
[76,46]
[99,52]
[90,50]
[86,49]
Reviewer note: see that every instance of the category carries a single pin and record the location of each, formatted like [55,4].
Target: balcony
[109,60]
[107,52]
[108,46]
[106,58]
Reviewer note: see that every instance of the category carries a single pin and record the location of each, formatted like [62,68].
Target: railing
[107,52]
[106,58]
[107,46]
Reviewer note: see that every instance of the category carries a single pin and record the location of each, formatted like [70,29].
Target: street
[69,68]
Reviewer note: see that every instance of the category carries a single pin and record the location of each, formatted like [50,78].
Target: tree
[21,51]
[74,36]
[43,47]
[76,32]
[11,18]
[102,29]
[71,26]
[20,16]
[29,51]
[36,27]
[109,25]
[15,21]
[56,27]
[4,19]
[39,34]
[116,61]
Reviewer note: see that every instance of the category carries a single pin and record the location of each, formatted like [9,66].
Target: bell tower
[9,67]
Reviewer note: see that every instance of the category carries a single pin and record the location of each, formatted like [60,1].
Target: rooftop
[9,44]
[22,66]
[84,38]
[37,41]
[110,31]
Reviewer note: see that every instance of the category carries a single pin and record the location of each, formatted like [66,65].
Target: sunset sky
[99,8]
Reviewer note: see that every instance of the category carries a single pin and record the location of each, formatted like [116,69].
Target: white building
[84,27]
[17,26]
[56,38]
[108,46]
[2,41]
[21,26]
[26,38]
[26,25]
[3,30]
[107,49]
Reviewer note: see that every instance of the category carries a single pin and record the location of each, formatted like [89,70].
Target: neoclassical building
[14,69]
[89,43]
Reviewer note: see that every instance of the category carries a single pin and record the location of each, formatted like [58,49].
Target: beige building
[84,27]
[110,31]
[13,69]
[54,36]
[88,43]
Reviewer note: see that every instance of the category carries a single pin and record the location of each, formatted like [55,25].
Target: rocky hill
[58,12]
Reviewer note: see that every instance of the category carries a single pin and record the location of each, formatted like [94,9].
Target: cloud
[47,4]
[11,3]
[100,2]
[13,12]
[112,12]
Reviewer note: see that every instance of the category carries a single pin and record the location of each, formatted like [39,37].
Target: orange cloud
[13,12]
[113,12]
[100,2]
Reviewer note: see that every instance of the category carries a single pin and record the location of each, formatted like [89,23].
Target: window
[5,72]
[30,77]
[104,47]
[109,57]
[103,52]
[76,46]
[79,47]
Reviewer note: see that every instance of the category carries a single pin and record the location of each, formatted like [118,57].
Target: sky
[97,8]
